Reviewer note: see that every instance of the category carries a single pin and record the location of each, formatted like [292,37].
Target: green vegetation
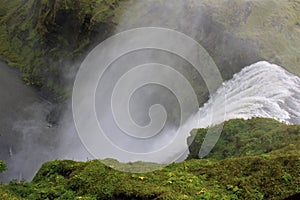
[273,26]
[247,172]
[4,192]
[2,166]
[253,159]
[45,38]
[247,138]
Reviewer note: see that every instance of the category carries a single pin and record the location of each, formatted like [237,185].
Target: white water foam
[259,90]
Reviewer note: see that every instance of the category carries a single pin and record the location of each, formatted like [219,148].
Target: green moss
[4,192]
[272,25]
[248,137]
[6,195]
[2,166]
[44,38]
[273,175]
[241,178]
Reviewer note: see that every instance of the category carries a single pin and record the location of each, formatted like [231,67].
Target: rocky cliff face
[46,38]
[274,26]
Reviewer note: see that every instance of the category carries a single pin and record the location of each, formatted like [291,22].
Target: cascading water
[259,90]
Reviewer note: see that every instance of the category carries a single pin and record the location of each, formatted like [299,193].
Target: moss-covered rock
[47,38]
[274,26]
[273,175]
[44,38]
[247,137]
[252,177]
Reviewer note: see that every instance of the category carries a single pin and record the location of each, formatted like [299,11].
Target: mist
[28,139]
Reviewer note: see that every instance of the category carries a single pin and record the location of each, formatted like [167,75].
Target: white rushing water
[259,90]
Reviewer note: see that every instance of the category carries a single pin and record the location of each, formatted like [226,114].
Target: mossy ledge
[263,173]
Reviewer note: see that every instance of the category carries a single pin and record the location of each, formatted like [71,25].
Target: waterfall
[259,90]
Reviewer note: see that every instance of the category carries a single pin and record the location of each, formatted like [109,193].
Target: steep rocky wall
[44,38]
[47,39]
[274,26]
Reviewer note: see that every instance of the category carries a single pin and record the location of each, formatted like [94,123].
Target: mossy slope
[258,175]
[44,38]
[274,26]
[247,138]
